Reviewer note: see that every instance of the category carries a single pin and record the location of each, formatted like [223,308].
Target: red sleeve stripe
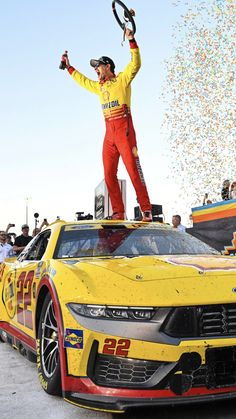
[133,44]
[71,69]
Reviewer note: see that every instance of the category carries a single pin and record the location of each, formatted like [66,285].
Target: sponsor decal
[140,172]
[38,270]
[106,96]
[70,262]
[82,227]
[135,151]
[9,295]
[2,267]
[51,272]
[42,380]
[205,263]
[74,339]
[109,105]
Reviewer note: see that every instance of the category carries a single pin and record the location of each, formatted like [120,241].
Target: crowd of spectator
[228,190]
[12,245]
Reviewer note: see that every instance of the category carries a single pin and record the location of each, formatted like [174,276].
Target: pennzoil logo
[74,339]
[109,105]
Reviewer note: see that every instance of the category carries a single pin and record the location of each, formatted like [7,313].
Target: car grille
[218,320]
[201,321]
[123,372]
[219,370]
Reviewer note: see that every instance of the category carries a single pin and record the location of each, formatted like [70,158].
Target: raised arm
[80,78]
[134,65]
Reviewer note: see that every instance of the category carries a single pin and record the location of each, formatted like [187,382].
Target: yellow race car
[122,314]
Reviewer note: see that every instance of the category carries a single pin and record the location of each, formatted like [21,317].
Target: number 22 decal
[23,297]
[114,347]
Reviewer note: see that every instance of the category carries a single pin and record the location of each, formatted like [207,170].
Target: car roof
[58,224]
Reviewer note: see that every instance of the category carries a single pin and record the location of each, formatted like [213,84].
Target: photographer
[9,226]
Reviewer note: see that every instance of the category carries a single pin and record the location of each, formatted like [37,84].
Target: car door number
[23,299]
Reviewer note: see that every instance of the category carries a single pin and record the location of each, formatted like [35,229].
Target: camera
[79,216]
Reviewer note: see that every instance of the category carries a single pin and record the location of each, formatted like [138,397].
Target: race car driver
[114,92]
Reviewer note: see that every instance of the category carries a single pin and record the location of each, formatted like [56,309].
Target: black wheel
[48,349]
[127,16]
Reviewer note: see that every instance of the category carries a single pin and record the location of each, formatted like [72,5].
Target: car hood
[152,280]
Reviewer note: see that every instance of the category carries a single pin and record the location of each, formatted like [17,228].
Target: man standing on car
[120,139]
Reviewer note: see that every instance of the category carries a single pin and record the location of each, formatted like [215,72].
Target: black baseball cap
[103,60]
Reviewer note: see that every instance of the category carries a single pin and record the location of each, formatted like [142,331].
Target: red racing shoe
[147,216]
[118,216]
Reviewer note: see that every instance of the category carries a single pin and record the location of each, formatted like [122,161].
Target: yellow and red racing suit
[120,138]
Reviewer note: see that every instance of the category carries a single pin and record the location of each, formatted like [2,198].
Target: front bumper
[116,383]
[120,404]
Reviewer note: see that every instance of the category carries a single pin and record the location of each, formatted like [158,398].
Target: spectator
[225,193]
[22,240]
[9,226]
[5,248]
[206,201]
[176,223]
[37,230]
[9,239]
[190,220]
[233,190]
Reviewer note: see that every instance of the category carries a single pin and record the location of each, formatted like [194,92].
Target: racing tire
[127,15]
[1,338]
[48,357]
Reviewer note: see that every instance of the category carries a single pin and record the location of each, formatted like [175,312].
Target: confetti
[199,93]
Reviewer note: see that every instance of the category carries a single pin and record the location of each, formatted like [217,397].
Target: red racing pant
[120,140]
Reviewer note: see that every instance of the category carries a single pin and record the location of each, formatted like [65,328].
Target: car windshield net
[108,240]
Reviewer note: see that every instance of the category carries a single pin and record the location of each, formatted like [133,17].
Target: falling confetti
[199,92]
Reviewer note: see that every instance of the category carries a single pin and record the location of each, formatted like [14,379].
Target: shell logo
[135,151]
[106,96]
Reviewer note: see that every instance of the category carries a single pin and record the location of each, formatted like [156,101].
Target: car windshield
[76,241]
